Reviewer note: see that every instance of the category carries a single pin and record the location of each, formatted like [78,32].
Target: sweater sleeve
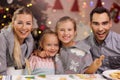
[58,65]
[3,49]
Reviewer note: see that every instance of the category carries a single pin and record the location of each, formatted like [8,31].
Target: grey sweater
[7,46]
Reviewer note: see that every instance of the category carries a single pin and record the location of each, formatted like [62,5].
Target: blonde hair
[17,48]
[42,38]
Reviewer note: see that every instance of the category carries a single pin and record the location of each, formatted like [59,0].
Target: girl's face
[22,25]
[66,33]
[50,44]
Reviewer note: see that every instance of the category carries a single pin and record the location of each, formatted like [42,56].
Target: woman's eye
[19,23]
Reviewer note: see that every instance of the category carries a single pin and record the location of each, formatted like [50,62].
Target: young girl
[75,56]
[48,43]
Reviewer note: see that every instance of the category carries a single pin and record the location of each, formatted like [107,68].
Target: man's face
[100,25]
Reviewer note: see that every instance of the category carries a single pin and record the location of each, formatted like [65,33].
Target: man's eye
[104,23]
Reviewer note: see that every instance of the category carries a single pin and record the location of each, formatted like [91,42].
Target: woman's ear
[40,44]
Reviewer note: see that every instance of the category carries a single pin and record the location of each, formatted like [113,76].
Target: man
[104,41]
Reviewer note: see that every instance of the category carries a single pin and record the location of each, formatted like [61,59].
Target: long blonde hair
[17,48]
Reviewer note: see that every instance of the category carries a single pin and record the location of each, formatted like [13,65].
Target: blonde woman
[16,43]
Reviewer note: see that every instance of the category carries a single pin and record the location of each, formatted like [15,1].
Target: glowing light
[39,32]
[91,3]
[30,4]
[2,24]
[7,9]
[119,17]
[103,3]
[4,16]
[84,5]
[49,22]
[91,31]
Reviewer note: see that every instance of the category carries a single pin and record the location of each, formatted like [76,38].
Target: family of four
[58,53]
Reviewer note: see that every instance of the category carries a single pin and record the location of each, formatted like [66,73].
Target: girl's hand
[98,62]
[95,65]
[43,54]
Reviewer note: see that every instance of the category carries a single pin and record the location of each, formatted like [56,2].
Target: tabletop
[55,77]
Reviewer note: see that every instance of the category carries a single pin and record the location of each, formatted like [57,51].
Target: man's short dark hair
[100,10]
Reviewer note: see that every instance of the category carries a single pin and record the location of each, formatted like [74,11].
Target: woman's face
[22,25]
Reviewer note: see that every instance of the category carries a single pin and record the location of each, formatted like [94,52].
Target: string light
[4,16]
[103,3]
[7,9]
[39,32]
[49,22]
[29,5]
[119,17]
[2,24]
[91,3]
[84,5]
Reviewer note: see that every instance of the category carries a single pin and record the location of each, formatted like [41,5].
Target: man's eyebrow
[94,22]
[105,21]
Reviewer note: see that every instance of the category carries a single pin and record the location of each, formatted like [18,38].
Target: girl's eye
[61,29]
[49,44]
[28,23]
[56,45]
[69,29]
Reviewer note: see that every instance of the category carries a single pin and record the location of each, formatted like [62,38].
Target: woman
[16,42]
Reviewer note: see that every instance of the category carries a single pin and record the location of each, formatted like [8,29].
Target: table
[55,77]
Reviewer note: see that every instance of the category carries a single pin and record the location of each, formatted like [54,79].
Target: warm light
[7,9]
[30,4]
[103,3]
[49,22]
[84,5]
[91,31]
[4,16]
[2,24]
[39,32]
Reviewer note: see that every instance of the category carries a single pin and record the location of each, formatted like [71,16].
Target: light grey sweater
[7,46]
